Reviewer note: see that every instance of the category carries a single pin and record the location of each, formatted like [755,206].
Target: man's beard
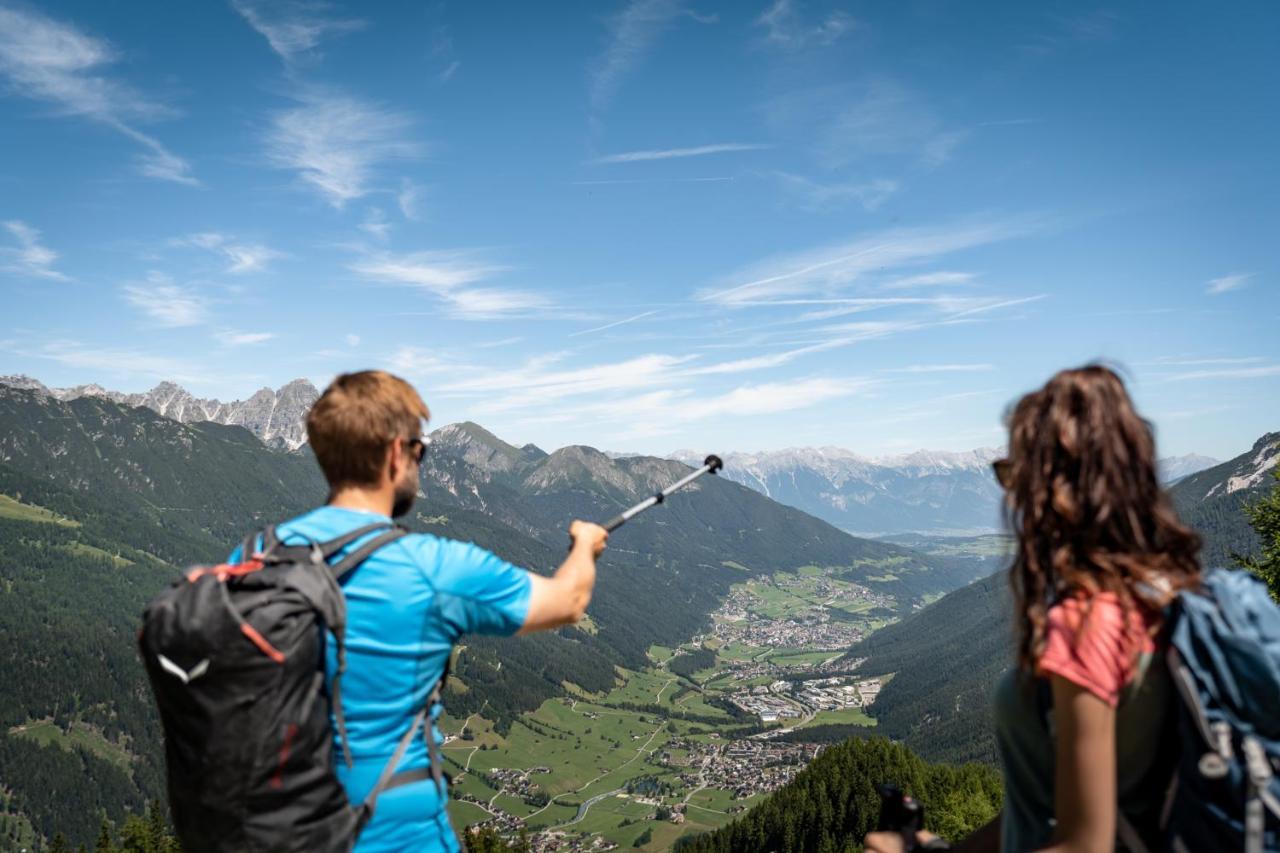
[403,499]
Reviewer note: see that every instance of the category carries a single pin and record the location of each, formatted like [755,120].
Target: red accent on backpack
[261,642]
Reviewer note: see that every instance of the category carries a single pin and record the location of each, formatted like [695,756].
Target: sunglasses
[417,447]
[1003,469]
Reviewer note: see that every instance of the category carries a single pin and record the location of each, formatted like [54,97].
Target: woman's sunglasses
[1003,469]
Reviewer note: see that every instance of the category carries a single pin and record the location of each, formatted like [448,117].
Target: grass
[81,735]
[90,551]
[462,815]
[790,657]
[19,511]
[845,716]
[661,654]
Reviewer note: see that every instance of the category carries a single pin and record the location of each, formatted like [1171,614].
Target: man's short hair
[355,420]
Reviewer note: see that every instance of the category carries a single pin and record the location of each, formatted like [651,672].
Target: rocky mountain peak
[277,418]
[579,465]
[477,446]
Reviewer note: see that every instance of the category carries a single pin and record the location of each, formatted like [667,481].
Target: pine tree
[59,844]
[1264,515]
[104,843]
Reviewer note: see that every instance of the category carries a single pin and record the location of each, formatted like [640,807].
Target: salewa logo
[178,672]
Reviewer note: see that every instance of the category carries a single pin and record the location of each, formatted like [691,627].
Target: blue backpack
[1224,658]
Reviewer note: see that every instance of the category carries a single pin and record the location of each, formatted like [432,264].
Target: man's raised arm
[562,599]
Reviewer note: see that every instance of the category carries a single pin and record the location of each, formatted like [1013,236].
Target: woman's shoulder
[1092,641]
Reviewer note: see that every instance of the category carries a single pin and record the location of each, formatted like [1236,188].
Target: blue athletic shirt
[406,607]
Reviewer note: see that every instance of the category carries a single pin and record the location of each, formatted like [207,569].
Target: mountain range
[278,418]
[935,492]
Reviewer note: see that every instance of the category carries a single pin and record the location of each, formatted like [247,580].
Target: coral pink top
[1097,651]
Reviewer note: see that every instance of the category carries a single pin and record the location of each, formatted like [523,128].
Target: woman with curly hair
[1081,718]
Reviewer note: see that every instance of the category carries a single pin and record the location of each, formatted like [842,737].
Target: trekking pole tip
[713,463]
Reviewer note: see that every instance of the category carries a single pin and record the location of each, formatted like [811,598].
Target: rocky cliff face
[277,418]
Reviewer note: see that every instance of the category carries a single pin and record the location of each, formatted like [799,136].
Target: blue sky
[653,224]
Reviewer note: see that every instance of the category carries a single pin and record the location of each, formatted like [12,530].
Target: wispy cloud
[538,379]
[707,180]
[29,257]
[54,62]
[408,198]
[294,28]
[816,195]
[453,276]
[376,225]
[1227,283]
[167,303]
[770,397]
[876,118]
[337,143]
[943,368]
[352,340]
[827,270]
[987,306]
[1062,31]
[615,324]
[631,34]
[929,279]
[240,257]
[242,339]
[785,29]
[670,153]
[1259,372]
[123,362]
[1172,361]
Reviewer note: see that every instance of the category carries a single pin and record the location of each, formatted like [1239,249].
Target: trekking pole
[710,465]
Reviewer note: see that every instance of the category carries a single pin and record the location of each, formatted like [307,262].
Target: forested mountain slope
[832,804]
[1211,500]
[946,659]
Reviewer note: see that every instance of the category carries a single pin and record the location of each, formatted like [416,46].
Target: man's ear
[396,459]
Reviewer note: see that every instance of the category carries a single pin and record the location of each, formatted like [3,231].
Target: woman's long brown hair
[1086,505]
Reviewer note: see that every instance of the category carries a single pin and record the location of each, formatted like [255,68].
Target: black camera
[904,815]
[899,813]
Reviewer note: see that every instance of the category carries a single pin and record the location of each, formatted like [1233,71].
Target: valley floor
[672,751]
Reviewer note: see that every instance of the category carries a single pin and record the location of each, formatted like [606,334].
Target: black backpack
[235,655]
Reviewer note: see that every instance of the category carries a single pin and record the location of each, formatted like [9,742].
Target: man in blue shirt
[413,599]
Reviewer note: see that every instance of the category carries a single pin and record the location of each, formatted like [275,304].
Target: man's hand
[587,535]
[891,842]
[562,599]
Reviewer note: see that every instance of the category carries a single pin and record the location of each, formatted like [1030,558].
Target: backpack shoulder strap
[333,546]
[339,570]
[250,545]
[355,558]
[389,778]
